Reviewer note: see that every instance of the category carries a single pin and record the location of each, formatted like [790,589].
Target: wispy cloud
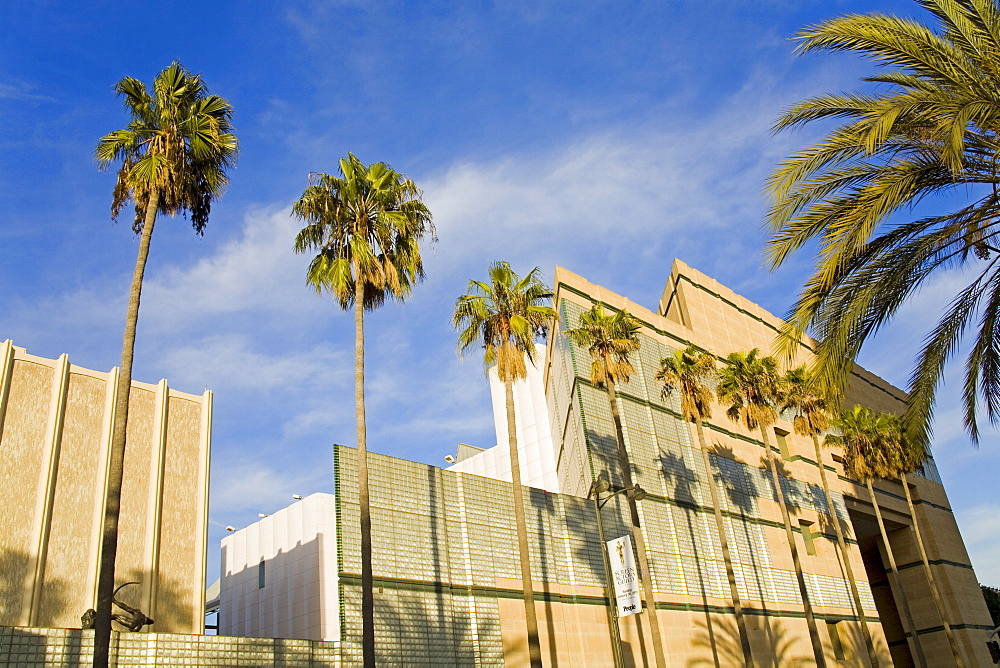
[229,361]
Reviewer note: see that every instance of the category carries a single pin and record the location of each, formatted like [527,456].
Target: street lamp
[598,487]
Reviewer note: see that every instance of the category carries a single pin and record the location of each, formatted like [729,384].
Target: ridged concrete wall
[55,431]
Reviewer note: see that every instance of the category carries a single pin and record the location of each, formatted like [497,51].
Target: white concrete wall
[298,548]
[535,447]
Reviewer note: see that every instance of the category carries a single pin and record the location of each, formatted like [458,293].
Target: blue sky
[607,137]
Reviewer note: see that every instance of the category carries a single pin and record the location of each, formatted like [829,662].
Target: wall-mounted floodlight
[261,514]
[450,459]
[297,497]
[230,528]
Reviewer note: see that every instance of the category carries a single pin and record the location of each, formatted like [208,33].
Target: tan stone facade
[697,309]
[55,428]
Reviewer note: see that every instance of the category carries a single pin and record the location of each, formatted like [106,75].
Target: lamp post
[598,487]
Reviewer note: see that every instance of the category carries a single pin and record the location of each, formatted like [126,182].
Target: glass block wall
[677,517]
[445,555]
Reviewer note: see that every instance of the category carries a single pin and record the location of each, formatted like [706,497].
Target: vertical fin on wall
[100,491]
[35,573]
[158,453]
[202,527]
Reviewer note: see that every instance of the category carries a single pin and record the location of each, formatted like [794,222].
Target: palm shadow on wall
[684,479]
[725,640]
[742,491]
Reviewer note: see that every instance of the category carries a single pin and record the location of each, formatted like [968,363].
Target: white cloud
[257,272]
[228,360]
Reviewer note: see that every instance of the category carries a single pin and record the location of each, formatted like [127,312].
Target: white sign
[624,576]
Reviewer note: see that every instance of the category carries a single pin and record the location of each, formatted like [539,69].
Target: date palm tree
[812,419]
[365,226]
[752,387]
[930,125]
[174,154]
[688,372]
[611,339]
[507,315]
[869,451]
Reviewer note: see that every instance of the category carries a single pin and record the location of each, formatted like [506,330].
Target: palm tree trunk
[640,543]
[915,641]
[367,584]
[530,616]
[734,593]
[845,555]
[915,527]
[817,644]
[116,464]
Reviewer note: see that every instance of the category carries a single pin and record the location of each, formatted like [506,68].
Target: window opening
[807,536]
[779,436]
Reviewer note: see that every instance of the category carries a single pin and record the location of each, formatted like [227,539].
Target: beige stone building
[446,569]
[55,430]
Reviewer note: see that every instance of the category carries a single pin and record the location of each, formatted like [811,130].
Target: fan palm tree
[506,316]
[868,450]
[911,457]
[802,397]
[687,371]
[930,126]
[751,386]
[174,154]
[900,457]
[365,226]
[611,339]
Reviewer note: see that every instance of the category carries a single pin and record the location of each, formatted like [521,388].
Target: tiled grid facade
[28,647]
[445,559]
[680,528]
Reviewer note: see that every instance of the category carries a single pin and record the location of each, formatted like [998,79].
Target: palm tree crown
[366,225]
[176,148]
[506,315]
[750,384]
[610,339]
[803,396]
[688,371]
[870,441]
[930,127]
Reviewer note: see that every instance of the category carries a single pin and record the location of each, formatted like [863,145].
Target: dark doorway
[869,541]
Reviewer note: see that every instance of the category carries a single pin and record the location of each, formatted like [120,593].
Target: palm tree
[930,126]
[868,450]
[611,339]
[899,457]
[752,387]
[366,225]
[507,315]
[688,371]
[174,154]
[811,419]
[911,457]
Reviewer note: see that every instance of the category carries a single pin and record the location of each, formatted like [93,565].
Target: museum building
[447,580]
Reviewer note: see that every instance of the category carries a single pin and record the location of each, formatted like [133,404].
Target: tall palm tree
[898,457]
[365,225]
[688,371]
[811,419]
[751,386]
[929,125]
[911,457]
[867,439]
[174,154]
[611,339]
[506,316]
